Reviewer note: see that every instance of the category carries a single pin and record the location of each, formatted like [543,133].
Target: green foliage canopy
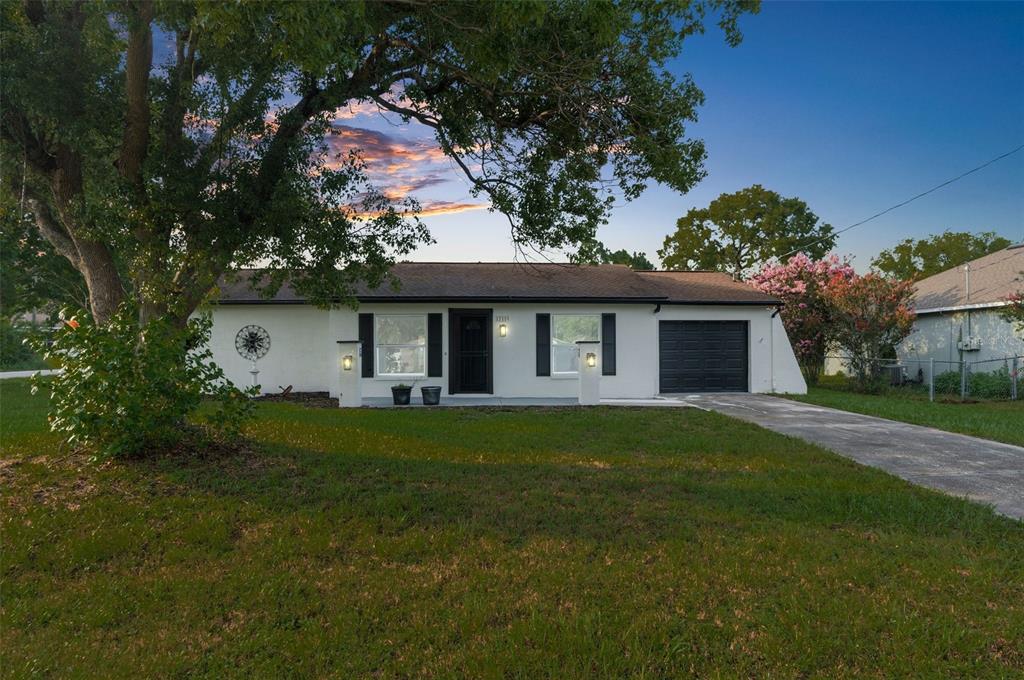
[33,278]
[595,252]
[740,231]
[917,259]
[155,176]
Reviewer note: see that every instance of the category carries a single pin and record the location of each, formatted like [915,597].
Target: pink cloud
[398,167]
[355,110]
[428,209]
[377,147]
[449,208]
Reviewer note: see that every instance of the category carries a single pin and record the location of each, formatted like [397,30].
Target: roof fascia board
[411,300]
[961,308]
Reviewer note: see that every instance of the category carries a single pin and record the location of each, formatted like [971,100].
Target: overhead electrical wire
[909,200]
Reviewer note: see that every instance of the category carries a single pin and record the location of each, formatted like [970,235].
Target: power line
[909,200]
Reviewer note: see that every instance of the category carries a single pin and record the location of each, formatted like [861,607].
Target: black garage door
[703,356]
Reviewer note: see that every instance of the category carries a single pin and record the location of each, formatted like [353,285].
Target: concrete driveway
[982,470]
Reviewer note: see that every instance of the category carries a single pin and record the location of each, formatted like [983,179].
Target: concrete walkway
[982,470]
[25,374]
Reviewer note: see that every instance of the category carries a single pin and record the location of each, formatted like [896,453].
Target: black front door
[469,353]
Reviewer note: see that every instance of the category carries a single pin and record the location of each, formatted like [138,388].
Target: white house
[958,314]
[511,330]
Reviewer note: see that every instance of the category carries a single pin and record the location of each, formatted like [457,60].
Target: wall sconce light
[346,362]
[591,360]
[502,329]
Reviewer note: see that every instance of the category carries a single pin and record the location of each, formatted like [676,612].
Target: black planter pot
[400,395]
[431,395]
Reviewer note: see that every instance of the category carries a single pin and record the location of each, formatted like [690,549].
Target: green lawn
[507,543]
[998,420]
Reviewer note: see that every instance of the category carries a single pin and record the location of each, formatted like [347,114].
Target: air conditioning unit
[969,344]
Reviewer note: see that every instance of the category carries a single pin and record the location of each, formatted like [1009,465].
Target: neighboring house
[510,330]
[958,314]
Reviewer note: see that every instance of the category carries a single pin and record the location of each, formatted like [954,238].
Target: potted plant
[400,394]
[431,395]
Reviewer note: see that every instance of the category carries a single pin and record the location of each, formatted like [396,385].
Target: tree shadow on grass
[583,499]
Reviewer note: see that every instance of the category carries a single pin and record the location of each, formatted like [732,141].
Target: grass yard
[508,543]
[1001,421]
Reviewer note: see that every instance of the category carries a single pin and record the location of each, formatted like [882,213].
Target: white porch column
[349,371]
[589,372]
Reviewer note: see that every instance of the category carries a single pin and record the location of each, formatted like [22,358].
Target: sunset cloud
[448,208]
[400,168]
[380,148]
[356,109]
[427,209]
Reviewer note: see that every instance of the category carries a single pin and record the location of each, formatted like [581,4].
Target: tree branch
[52,231]
[179,81]
[138,63]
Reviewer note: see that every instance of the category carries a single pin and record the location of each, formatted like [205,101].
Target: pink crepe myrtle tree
[1014,310]
[871,314]
[804,286]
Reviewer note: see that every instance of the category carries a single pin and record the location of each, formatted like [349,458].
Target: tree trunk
[105,291]
[92,258]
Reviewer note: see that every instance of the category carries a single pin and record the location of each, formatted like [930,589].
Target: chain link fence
[997,379]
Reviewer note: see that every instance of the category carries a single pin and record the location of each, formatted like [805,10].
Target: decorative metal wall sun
[252,342]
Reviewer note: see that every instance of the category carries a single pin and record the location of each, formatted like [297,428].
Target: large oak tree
[159,145]
[740,231]
[155,171]
[920,258]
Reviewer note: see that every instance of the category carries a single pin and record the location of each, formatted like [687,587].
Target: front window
[401,344]
[566,331]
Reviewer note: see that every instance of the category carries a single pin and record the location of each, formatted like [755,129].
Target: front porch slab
[504,402]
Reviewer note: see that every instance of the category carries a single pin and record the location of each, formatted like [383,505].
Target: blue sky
[852,107]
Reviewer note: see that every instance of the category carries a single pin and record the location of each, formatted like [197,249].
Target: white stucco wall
[786,375]
[299,347]
[935,336]
[304,347]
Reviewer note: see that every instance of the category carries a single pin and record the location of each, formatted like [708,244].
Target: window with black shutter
[543,344]
[608,344]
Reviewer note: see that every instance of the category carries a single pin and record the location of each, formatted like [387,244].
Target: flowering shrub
[804,286]
[870,316]
[827,305]
[1014,311]
[123,389]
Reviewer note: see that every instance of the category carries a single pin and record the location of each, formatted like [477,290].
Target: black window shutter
[543,344]
[434,359]
[366,342]
[607,344]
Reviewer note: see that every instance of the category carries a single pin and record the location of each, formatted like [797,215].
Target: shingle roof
[513,281]
[705,287]
[994,278]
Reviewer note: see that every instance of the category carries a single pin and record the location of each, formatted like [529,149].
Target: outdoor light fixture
[346,362]
[591,360]
[502,329]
